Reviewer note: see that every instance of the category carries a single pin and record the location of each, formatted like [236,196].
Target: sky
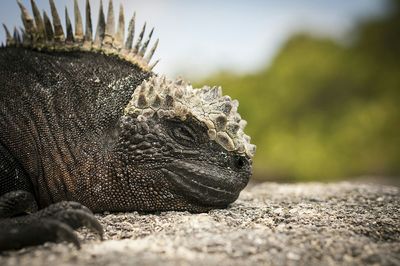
[198,38]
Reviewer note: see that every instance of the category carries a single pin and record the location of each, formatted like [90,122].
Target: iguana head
[185,146]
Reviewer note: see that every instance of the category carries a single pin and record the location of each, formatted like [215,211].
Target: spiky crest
[40,33]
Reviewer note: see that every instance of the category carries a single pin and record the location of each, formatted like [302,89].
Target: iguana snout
[208,183]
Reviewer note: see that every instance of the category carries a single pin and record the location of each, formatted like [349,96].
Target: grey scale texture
[270,224]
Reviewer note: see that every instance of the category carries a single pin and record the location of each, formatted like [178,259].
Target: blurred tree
[323,110]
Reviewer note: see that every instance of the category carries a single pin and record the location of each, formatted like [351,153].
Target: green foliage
[323,110]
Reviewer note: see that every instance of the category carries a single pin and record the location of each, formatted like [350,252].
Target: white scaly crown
[178,99]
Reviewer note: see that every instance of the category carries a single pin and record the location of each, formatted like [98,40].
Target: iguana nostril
[239,162]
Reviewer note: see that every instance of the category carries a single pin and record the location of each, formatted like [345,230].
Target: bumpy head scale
[178,99]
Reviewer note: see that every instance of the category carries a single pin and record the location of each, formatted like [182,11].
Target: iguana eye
[184,134]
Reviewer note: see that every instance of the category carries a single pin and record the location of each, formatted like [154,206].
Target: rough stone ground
[270,224]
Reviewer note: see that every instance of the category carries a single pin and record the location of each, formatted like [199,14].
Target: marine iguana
[86,125]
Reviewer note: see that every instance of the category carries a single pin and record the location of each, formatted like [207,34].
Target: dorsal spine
[40,33]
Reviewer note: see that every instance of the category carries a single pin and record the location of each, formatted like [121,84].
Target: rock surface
[270,224]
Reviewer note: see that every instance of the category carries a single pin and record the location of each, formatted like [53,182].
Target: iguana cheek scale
[87,126]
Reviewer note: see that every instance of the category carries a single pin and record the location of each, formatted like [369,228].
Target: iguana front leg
[21,224]
[52,224]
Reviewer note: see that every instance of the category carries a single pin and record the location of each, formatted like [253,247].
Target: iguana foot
[55,223]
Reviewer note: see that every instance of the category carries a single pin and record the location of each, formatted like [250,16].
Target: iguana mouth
[215,186]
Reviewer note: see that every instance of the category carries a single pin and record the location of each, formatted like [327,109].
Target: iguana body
[89,122]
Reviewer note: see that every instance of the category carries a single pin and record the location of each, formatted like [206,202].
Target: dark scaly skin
[57,115]
[64,137]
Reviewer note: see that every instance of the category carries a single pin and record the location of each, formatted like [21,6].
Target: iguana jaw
[207,184]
